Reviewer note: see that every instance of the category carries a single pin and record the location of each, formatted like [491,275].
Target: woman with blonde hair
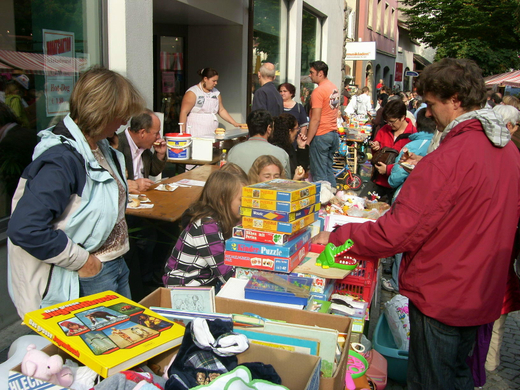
[67,233]
[266,168]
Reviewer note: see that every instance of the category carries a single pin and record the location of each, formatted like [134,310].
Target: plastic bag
[397,316]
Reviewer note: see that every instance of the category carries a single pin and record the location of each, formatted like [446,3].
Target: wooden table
[169,206]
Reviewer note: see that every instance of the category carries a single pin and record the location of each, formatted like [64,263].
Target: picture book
[267,204]
[241,233]
[107,332]
[287,342]
[264,262]
[197,299]
[279,227]
[184,317]
[281,189]
[283,216]
[286,250]
[328,341]
[274,287]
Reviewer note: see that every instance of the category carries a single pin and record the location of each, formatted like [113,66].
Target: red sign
[398,71]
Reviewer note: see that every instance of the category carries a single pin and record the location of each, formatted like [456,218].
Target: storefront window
[172,81]
[311,39]
[44,45]
[269,38]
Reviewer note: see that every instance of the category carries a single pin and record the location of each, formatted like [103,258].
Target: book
[240,232]
[287,342]
[279,288]
[185,317]
[279,227]
[106,331]
[264,262]
[196,299]
[281,190]
[235,289]
[318,306]
[286,250]
[279,206]
[328,339]
[283,216]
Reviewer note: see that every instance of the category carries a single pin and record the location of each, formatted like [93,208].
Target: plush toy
[39,365]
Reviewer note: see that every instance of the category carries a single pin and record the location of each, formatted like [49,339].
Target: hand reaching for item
[381,168]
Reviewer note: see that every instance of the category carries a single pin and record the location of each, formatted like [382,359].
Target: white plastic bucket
[179,146]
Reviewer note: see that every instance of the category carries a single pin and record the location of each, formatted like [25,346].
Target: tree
[487,32]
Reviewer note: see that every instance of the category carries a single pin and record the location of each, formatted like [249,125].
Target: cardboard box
[282,190]
[342,324]
[283,216]
[279,227]
[268,263]
[286,250]
[307,377]
[279,206]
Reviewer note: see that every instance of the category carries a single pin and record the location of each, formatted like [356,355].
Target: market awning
[4,67]
[36,63]
[509,78]
[421,60]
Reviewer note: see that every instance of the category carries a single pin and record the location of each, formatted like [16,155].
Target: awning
[4,67]
[36,63]
[421,60]
[509,78]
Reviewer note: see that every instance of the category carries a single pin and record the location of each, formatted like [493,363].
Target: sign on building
[398,71]
[361,51]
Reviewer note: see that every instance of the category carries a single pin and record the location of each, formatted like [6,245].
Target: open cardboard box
[161,297]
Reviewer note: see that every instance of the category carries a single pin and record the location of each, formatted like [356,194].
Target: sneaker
[387,285]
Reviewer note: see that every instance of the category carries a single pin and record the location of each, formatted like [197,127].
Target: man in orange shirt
[322,135]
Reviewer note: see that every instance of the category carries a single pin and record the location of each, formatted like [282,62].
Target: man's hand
[91,268]
[144,184]
[321,238]
[160,148]
[381,168]
[133,188]
[375,146]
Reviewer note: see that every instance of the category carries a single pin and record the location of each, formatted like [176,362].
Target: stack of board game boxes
[274,234]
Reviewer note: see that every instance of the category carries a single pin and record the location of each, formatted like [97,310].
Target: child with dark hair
[198,256]
[284,136]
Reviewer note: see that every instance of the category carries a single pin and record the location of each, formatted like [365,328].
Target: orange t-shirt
[326,96]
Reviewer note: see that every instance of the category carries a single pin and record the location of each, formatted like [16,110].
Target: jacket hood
[493,126]
[420,136]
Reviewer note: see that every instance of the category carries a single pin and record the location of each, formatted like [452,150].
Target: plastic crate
[397,360]
[359,286]
[365,270]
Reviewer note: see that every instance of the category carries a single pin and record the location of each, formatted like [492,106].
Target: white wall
[332,35]
[207,49]
[130,43]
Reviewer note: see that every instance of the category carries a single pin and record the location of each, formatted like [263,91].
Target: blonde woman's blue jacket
[64,208]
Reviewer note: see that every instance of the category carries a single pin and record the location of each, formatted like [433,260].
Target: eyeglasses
[393,121]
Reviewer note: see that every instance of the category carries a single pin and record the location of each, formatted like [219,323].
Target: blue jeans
[113,276]
[438,352]
[395,271]
[322,150]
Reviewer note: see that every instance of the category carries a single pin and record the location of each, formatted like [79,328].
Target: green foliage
[487,32]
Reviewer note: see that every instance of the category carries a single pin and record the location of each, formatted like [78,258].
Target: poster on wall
[60,65]
[168,82]
[398,71]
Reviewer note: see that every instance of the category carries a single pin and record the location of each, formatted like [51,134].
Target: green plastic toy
[334,256]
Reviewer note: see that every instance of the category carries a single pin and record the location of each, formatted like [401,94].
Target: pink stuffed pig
[39,365]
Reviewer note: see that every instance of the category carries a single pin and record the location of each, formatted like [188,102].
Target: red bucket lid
[177,135]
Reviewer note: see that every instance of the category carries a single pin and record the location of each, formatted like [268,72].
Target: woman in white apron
[201,104]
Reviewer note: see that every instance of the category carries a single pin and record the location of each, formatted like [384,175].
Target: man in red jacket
[454,221]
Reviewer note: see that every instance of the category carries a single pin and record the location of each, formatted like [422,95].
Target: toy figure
[333,256]
[39,365]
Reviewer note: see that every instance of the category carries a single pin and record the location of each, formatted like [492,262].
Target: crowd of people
[442,158]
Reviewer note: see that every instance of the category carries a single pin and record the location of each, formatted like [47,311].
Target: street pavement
[507,375]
